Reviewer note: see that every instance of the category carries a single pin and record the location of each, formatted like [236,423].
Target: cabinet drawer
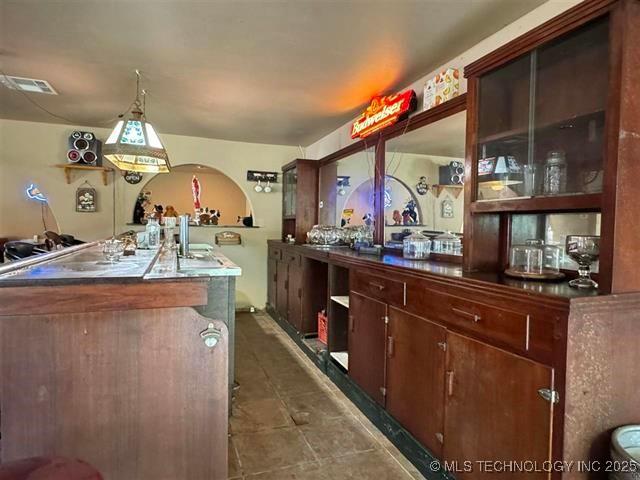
[523,327]
[275,253]
[380,288]
[505,326]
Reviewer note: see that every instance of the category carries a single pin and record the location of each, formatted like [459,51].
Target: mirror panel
[424,173]
[346,191]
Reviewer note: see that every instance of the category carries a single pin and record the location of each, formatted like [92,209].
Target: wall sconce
[259,177]
[343,183]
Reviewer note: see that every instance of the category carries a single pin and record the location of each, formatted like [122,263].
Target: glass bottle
[555,173]
[153,233]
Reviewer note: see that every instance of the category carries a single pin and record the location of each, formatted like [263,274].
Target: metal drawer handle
[211,335]
[450,376]
[377,285]
[472,316]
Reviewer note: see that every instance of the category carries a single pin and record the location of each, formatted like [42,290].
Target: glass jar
[447,243]
[555,173]
[535,259]
[153,233]
[416,247]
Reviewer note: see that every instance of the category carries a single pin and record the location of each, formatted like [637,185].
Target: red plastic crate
[322,326]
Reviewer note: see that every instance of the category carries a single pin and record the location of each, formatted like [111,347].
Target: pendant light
[134,145]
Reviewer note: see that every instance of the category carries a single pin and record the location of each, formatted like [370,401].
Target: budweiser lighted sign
[382,112]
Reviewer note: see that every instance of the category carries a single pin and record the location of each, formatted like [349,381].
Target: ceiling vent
[27,84]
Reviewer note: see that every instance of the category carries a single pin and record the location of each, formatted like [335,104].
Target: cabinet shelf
[341,300]
[521,134]
[557,203]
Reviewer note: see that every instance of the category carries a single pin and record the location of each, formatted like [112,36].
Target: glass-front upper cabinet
[289,191]
[424,182]
[541,119]
[346,191]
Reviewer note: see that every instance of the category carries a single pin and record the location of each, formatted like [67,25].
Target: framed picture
[446,208]
[86,199]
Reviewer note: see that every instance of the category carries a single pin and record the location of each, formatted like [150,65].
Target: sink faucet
[184,235]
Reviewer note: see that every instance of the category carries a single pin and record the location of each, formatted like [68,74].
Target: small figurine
[215,215]
[169,211]
[157,213]
[409,214]
[368,219]
[397,218]
[138,211]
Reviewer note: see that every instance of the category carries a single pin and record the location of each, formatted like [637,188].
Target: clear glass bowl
[447,243]
[416,247]
[326,235]
[535,260]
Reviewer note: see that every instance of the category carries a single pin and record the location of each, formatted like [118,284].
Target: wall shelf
[69,167]
[454,190]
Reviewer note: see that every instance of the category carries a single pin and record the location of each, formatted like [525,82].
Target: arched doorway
[217,192]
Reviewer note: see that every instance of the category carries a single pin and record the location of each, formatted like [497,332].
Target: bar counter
[130,363]
[558,290]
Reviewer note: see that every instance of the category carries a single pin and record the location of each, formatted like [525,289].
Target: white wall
[341,137]
[28,150]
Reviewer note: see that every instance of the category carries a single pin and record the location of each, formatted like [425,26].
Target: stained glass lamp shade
[135,146]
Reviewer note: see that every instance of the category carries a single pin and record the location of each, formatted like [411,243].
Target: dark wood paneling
[620,228]
[493,408]
[557,26]
[137,394]
[415,376]
[282,291]
[74,298]
[294,291]
[272,282]
[367,342]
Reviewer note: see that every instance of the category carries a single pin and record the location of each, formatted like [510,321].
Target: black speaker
[452,174]
[84,149]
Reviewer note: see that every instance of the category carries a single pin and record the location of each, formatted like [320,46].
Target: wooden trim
[294,163]
[378,187]
[356,147]
[620,228]
[565,22]
[450,107]
[565,203]
[99,297]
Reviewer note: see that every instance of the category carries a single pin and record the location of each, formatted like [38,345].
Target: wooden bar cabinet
[457,362]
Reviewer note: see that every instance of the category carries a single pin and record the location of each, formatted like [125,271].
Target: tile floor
[291,422]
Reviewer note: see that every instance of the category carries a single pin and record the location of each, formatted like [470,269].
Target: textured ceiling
[267,71]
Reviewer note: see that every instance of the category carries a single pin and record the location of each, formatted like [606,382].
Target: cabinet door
[367,338]
[415,376]
[282,269]
[493,408]
[294,316]
[272,282]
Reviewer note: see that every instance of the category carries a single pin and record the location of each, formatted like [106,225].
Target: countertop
[88,265]
[558,290]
